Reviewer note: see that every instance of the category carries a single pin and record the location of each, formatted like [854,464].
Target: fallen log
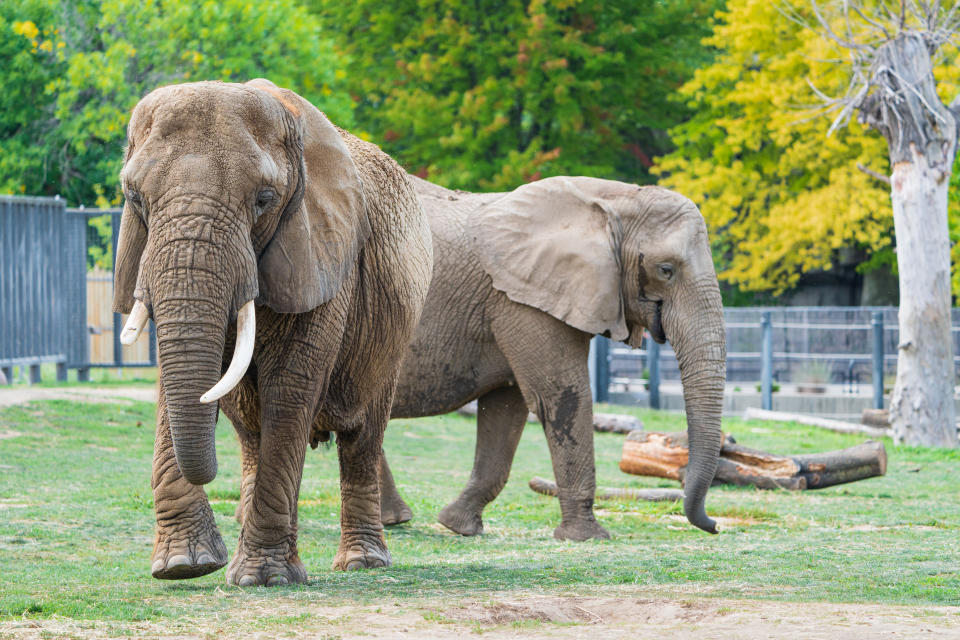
[665,455]
[616,423]
[549,488]
[879,418]
[603,422]
[752,413]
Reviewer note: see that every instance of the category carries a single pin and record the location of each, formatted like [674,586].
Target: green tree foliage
[780,195]
[490,95]
[79,66]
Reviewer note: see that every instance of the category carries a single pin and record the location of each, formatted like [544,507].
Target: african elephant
[258,235]
[521,282]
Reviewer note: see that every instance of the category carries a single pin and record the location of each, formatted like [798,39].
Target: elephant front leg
[393,509]
[549,361]
[188,543]
[267,549]
[362,544]
[569,430]
[501,416]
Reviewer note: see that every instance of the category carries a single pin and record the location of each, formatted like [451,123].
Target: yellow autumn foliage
[779,194]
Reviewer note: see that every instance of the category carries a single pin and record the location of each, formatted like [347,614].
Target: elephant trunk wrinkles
[699,340]
[191,309]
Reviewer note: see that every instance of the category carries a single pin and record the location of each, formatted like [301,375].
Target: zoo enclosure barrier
[45,254]
[812,348]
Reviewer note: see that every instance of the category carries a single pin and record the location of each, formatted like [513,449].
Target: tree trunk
[921,134]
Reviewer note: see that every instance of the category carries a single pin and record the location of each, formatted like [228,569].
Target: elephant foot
[273,567]
[395,512]
[581,530]
[466,522]
[368,552]
[178,555]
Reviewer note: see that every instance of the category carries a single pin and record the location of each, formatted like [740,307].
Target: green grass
[76,525]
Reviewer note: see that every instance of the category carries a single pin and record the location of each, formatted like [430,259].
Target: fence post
[601,365]
[653,364]
[766,362]
[877,324]
[35,374]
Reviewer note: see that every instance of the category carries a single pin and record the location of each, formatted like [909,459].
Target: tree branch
[874,174]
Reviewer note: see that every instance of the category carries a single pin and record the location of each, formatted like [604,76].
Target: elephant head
[613,259]
[235,194]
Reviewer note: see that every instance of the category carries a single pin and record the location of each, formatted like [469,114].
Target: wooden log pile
[665,455]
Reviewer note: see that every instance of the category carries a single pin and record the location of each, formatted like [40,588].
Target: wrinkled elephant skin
[258,235]
[521,282]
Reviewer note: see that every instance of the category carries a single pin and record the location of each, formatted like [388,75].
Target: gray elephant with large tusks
[258,235]
[521,282]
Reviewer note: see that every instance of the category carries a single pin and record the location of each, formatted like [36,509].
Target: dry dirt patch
[523,616]
[21,395]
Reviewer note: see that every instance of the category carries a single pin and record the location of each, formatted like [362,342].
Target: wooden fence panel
[100,322]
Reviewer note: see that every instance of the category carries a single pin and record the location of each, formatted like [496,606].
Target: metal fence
[44,249]
[810,347]
[91,239]
[40,321]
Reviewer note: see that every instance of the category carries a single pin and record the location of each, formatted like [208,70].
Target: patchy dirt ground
[598,614]
[523,616]
[10,396]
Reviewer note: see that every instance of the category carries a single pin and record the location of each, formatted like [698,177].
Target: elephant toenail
[277,581]
[247,581]
[178,561]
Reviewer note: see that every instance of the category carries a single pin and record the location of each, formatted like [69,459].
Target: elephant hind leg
[501,416]
[393,510]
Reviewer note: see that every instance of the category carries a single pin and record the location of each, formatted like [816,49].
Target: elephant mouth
[656,324]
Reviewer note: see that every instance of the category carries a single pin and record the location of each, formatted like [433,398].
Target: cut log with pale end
[616,423]
[665,455]
[549,488]
[847,465]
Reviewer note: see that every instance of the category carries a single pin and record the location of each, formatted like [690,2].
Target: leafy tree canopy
[74,69]
[781,196]
[490,95]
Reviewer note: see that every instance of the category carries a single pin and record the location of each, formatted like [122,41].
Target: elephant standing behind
[521,282]
[257,234]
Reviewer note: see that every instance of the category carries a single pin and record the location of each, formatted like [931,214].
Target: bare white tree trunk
[894,91]
[921,408]
[921,134]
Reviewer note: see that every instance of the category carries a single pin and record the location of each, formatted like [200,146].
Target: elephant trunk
[190,350]
[698,337]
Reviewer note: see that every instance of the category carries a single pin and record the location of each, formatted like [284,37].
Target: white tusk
[135,323]
[242,354]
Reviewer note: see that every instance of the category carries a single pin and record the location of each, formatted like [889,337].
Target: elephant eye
[666,270]
[264,198]
[136,201]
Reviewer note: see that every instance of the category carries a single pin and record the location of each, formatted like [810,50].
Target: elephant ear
[127,276]
[554,245]
[320,233]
